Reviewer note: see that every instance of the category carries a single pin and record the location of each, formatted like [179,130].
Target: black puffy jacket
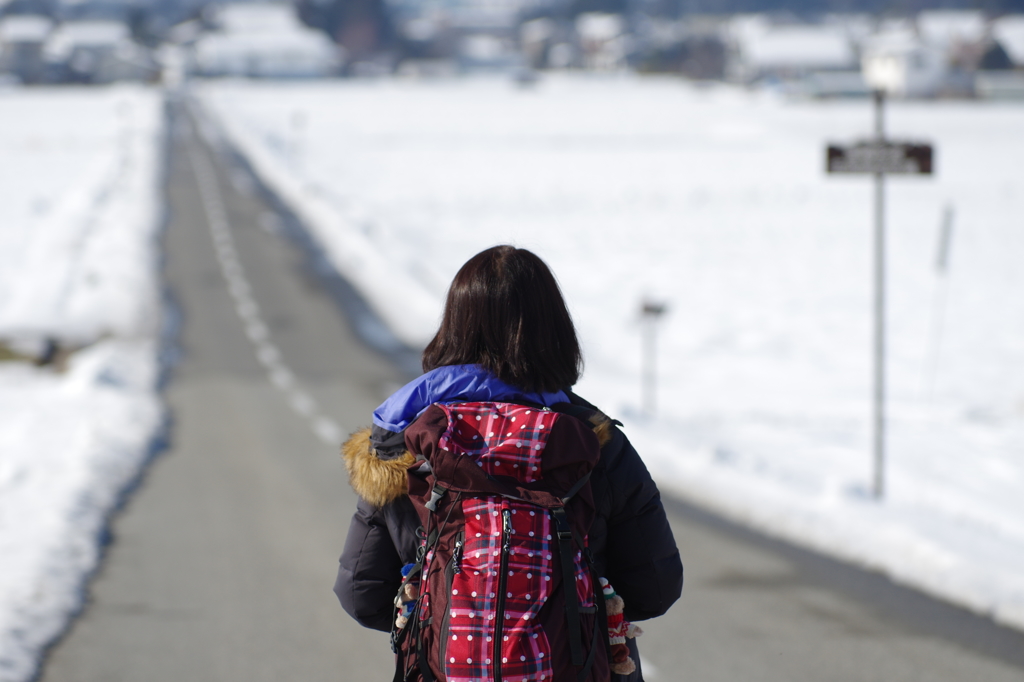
[631,541]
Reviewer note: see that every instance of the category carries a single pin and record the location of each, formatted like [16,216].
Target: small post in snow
[650,313]
[298,125]
[939,302]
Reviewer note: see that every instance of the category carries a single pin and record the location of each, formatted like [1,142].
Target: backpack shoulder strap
[572,603]
[577,487]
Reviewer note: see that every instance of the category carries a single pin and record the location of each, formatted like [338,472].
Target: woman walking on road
[487,486]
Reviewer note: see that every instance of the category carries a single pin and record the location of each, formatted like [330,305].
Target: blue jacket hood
[453,383]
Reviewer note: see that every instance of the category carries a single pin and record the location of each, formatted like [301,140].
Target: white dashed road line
[248,310]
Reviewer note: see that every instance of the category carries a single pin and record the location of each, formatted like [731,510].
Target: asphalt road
[223,560]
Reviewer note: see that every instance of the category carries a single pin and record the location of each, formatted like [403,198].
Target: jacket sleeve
[370,570]
[642,560]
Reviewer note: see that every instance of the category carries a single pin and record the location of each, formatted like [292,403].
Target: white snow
[296,54]
[79,213]
[264,40]
[77,34]
[599,26]
[949,27]
[258,18]
[24,28]
[715,202]
[800,47]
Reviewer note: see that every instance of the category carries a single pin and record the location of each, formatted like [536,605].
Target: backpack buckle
[436,493]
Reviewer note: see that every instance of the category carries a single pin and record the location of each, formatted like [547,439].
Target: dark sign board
[880,157]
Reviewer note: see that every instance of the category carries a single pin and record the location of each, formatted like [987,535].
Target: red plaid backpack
[503,587]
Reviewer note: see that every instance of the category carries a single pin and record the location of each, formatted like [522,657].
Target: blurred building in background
[77,41]
[22,37]
[259,40]
[96,51]
[1001,68]
[363,28]
[784,49]
[811,48]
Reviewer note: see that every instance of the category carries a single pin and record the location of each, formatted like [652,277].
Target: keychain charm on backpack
[405,601]
[619,630]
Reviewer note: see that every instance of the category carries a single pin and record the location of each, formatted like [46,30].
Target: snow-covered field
[715,202]
[79,216]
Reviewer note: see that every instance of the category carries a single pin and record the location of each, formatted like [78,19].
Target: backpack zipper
[457,555]
[453,567]
[506,540]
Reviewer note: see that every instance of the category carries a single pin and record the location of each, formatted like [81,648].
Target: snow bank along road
[223,561]
[80,197]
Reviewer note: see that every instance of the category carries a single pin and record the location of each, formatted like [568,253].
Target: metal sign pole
[879,157]
[879,360]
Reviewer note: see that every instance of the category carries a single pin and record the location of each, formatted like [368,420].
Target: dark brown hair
[504,311]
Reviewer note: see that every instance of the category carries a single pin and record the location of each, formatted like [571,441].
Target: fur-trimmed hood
[380,481]
[376,480]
